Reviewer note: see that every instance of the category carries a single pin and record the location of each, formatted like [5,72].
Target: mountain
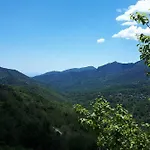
[90,78]
[14,77]
[18,80]
[34,116]
[81,69]
[114,68]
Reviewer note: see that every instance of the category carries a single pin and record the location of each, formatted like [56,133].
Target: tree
[115,127]
[144,40]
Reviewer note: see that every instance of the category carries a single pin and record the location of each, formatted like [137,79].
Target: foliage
[30,121]
[27,84]
[133,97]
[144,40]
[115,127]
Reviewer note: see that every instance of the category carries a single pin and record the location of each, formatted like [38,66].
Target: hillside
[94,79]
[34,116]
[133,97]
[19,80]
[14,77]
[27,120]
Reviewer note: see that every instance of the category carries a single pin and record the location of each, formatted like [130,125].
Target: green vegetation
[144,40]
[14,77]
[19,80]
[28,120]
[134,98]
[115,127]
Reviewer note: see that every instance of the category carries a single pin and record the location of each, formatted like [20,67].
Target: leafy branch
[115,127]
[144,40]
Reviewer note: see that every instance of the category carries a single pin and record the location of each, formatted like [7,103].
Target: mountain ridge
[20,81]
[83,68]
[14,77]
[90,79]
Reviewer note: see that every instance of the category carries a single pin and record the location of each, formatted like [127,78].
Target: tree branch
[147,25]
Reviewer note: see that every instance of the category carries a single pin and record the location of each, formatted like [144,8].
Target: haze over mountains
[91,78]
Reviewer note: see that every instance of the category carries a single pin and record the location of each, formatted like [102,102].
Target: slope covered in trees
[27,120]
[33,116]
[14,77]
[19,80]
[135,98]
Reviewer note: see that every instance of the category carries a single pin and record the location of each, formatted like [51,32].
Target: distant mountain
[114,68]
[90,78]
[89,68]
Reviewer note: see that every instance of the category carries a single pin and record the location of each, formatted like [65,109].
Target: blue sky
[37,36]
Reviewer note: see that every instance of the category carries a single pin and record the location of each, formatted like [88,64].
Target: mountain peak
[115,62]
[88,68]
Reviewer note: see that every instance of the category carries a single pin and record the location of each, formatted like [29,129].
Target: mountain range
[34,113]
[91,78]
[80,79]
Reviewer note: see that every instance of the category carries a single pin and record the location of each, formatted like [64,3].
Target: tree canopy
[115,127]
[144,40]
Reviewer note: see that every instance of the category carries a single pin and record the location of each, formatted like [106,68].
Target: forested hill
[29,121]
[33,116]
[90,78]
[133,97]
[14,77]
[19,80]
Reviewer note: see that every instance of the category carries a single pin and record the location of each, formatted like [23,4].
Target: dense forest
[28,121]
[133,97]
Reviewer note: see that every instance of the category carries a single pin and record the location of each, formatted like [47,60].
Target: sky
[37,36]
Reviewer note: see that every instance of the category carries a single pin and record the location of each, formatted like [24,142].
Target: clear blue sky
[37,36]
